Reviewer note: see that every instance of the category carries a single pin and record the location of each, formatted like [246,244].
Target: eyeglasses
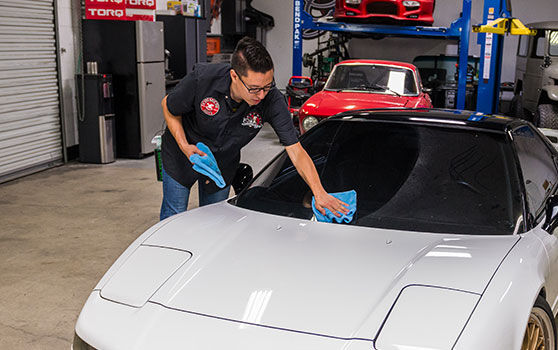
[257,90]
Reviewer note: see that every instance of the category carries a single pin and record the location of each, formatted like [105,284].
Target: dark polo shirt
[211,116]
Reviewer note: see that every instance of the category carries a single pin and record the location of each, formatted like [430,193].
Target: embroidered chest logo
[209,106]
[252,120]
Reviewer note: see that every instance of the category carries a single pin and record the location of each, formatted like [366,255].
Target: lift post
[459,30]
[498,20]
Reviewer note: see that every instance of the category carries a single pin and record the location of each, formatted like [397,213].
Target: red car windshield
[373,78]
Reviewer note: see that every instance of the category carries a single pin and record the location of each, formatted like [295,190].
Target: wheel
[540,333]
[546,116]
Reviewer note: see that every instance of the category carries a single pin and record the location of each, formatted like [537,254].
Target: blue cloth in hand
[349,197]
[207,165]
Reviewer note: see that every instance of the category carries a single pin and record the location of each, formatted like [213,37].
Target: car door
[537,160]
[533,72]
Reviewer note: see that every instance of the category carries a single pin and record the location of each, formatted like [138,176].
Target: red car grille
[382,8]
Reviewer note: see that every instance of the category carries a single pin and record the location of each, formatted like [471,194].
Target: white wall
[280,38]
[68,30]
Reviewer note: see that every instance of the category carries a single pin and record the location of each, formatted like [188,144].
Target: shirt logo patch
[209,106]
[252,120]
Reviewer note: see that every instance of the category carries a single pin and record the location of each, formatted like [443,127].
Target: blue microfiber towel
[349,197]
[207,165]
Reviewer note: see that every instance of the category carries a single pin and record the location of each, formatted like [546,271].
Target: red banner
[141,4]
[100,13]
[124,10]
[105,4]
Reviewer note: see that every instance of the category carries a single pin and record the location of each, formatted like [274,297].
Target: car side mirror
[427,90]
[551,209]
[242,177]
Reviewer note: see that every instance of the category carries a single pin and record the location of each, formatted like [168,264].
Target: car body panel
[138,278]
[510,296]
[392,10]
[405,328]
[156,327]
[375,265]
[328,102]
[551,91]
[248,280]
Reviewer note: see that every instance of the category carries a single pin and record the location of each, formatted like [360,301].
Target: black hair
[250,54]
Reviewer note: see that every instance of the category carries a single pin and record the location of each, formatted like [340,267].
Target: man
[224,106]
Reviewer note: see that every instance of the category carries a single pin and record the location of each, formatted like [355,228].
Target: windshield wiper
[376,87]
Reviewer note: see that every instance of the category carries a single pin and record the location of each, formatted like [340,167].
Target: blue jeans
[175,196]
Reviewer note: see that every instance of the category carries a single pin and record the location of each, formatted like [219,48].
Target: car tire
[546,116]
[540,332]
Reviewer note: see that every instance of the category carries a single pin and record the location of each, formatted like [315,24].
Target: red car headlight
[309,122]
[411,4]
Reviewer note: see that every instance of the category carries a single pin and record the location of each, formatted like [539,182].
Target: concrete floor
[62,229]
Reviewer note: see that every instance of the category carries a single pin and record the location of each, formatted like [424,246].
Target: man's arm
[175,126]
[307,170]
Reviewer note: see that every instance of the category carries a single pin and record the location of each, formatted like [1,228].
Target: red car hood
[326,103]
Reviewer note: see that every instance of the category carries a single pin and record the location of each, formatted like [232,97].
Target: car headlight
[426,318]
[309,122]
[353,2]
[411,3]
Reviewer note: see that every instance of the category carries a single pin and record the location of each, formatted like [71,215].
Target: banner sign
[124,10]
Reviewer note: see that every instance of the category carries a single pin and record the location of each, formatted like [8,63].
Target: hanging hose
[325,8]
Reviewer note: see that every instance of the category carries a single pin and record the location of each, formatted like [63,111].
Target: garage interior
[72,201]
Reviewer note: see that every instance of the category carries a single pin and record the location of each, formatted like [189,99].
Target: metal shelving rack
[459,30]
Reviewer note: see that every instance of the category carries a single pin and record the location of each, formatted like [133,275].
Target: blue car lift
[497,21]
[459,30]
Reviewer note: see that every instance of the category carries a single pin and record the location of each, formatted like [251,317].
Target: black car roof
[446,117]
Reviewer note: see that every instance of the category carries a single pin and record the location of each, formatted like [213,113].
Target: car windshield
[373,78]
[407,177]
[553,43]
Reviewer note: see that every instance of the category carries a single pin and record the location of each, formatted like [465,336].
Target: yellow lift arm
[503,26]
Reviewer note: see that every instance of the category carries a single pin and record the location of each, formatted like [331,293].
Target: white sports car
[452,246]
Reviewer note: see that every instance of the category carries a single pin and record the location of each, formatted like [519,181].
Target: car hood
[326,103]
[292,274]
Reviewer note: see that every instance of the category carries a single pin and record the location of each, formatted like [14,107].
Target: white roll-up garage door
[30,132]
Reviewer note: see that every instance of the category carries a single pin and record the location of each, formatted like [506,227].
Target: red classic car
[359,84]
[418,12]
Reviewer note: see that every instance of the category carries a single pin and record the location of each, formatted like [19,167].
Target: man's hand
[189,150]
[307,170]
[175,126]
[325,200]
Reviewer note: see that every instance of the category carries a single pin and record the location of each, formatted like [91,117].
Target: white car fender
[499,319]
[551,91]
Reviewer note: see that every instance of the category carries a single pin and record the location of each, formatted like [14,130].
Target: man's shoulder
[208,70]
